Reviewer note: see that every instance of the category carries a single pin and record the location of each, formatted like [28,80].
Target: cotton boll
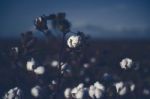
[86,65]
[35,91]
[67,93]
[99,86]
[91,91]
[122,91]
[53,85]
[74,90]
[16,49]
[74,41]
[30,64]
[126,63]
[132,87]
[146,92]
[15,93]
[118,86]
[39,70]
[80,94]
[66,69]
[93,60]
[121,88]
[40,19]
[80,86]
[98,93]
[54,63]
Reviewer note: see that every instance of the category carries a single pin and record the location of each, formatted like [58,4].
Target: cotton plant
[14,93]
[74,43]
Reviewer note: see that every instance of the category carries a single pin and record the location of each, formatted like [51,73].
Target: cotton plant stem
[59,65]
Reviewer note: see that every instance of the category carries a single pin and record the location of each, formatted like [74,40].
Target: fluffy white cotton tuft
[54,63]
[99,86]
[126,63]
[67,93]
[30,64]
[14,93]
[98,93]
[74,41]
[121,88]
[39,70]
[35,91]
[92,91]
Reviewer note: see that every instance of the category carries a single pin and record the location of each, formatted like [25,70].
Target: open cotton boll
[146,91]
[80,94]
[118,86]
[98,93]
[67,93]
[80,86]
[74,90]
[74,41]
[15,93]
[35,91]
[86,65]
[121,89]
[92,91]
[93,60]
[126,63]
[39,70]
[54,63]
[40,19]
[99,86]
[16,49]
[132,87]
[30,64]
